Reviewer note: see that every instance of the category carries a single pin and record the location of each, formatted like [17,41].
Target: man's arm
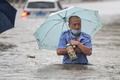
[61,51]
[61,48]
[84,49]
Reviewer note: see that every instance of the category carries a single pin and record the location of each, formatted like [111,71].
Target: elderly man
[75,37]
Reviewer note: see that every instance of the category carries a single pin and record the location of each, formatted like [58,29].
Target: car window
[41,5]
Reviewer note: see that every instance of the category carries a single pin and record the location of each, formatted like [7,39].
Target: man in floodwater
[81,41]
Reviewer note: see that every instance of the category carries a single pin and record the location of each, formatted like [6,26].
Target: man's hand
[74,42]
[82,48]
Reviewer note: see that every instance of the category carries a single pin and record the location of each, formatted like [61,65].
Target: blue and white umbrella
[48,34]
[7,16]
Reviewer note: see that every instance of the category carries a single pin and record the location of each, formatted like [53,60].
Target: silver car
[40,8]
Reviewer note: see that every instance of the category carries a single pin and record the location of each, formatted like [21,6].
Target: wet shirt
[66,37]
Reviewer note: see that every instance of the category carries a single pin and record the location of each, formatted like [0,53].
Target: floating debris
[30,56]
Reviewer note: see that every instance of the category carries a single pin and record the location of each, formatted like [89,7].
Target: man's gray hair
[74,16]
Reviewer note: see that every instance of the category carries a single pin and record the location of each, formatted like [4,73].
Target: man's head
[75,24]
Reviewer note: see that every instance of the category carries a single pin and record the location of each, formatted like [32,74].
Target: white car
[40,8]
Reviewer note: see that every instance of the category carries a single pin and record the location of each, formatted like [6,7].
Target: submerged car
[40,8]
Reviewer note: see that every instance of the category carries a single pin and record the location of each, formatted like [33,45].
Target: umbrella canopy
[48,34]
[7,16]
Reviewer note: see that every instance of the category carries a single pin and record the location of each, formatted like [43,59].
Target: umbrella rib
[60,16]
[89,20]
[51,20]
[55,20]
[49,30]
[62,26]
[66,13]
[67,26]
[64,21]
[73,13]
[78,10]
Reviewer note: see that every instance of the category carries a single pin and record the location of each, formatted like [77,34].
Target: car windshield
[41,5]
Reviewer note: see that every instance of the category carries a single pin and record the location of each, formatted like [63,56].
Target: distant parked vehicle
[40,8]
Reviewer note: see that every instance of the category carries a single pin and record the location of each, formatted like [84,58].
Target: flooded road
[19,42]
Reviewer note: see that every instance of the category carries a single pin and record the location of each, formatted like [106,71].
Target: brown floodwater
[104,63]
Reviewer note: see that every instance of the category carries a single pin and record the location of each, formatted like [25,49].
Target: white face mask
[75,32]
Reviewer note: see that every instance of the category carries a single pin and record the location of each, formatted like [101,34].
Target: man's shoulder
[65,32]
[85,35]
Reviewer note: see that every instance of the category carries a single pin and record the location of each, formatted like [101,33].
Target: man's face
[75,23]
